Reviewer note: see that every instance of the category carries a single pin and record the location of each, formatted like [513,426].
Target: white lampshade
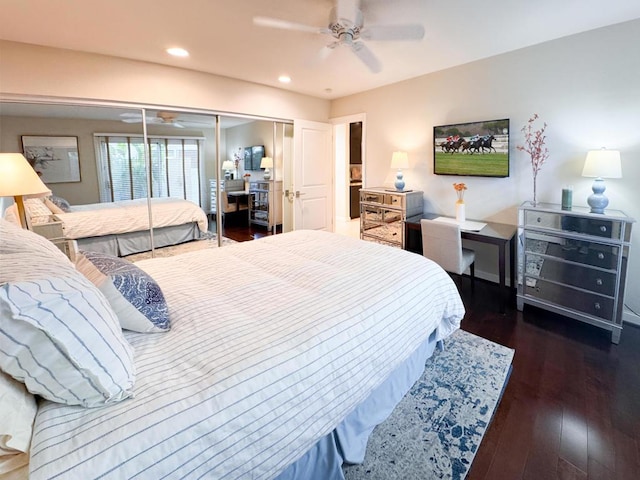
[227,165]
[18,179]
[399,160]
[266,162]
[602,163]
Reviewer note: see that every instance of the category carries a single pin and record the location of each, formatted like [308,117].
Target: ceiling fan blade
[286,25]
[367,56]
[393,32]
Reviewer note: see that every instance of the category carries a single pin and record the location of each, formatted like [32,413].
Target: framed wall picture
[54,158]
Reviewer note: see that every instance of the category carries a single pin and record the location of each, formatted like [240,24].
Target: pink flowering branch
[535,146]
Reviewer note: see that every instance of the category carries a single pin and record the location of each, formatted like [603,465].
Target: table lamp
[399,160]
[266,163]
[18,180]
[601,164]
[227,166]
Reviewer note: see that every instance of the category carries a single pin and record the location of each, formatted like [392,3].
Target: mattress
[273,344]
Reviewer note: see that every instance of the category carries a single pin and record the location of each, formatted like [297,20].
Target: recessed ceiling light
[177,52]
[284,79]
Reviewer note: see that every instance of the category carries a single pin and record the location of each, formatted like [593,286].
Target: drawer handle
[539,220]
[599,282]
[596,306]
[603,228]
[601,256]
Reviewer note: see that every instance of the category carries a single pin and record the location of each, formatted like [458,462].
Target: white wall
[586,87]
[34,70]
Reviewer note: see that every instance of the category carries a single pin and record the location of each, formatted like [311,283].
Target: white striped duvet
[273,342]
[98,219]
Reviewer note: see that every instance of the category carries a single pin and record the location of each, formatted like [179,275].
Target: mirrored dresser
[383,212]
[574,262]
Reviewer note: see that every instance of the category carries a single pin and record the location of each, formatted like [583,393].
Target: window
[175,167]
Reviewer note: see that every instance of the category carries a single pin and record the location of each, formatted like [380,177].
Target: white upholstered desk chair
[226,206]
[441,242]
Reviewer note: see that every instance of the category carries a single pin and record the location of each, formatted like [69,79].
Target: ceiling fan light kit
[347,27]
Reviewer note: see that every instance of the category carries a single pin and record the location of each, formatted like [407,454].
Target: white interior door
[312,190]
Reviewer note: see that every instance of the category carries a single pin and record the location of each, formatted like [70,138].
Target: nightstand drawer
[49,230]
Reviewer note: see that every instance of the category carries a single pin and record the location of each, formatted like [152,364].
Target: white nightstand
[52,230]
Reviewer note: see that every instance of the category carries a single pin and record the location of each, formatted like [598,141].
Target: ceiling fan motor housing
[345,29]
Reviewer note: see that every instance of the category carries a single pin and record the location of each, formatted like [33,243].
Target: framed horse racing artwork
[477,149]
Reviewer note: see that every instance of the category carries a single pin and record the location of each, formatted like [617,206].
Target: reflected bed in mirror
[122,228]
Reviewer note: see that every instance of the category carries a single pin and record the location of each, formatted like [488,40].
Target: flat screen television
[253,157]
[475,149]
[257,152]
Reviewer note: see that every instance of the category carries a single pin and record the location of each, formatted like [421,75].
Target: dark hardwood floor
[242,233]
[571,409]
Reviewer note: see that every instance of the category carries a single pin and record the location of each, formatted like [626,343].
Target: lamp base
[597,200]
[399,183]
[267,174]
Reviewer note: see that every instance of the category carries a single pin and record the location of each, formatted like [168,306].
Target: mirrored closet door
[145,156]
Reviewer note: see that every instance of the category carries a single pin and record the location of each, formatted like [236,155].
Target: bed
[122,228]
[282,355]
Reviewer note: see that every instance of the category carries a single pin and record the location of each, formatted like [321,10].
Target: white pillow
[38,210]
[58,333]
[15,239]
[60,337]
[17,412]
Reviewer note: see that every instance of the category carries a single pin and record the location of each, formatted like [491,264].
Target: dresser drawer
[371,197]
[588,303]
[379,215]
[394,200]
[578,251]
[382,198]
[587,278]
[570,223]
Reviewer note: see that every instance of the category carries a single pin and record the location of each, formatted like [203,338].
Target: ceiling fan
[348,29]
[162,118]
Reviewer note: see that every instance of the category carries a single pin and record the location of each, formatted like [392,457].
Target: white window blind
[175,167]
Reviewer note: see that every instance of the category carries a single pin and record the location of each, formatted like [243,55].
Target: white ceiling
[222,39]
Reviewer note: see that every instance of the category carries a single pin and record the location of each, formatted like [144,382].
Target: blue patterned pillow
[133,294]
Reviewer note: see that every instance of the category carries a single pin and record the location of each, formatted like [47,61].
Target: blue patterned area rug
[209,240]
[436,429]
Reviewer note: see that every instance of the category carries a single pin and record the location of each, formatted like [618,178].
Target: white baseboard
[490,277]
[630,317]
